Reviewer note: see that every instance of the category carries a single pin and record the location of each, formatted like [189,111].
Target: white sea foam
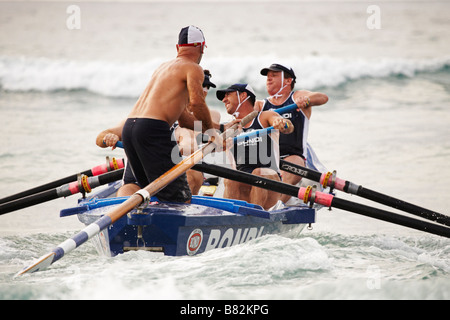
[128,79]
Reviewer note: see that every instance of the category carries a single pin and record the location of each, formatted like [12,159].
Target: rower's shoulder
[180,65]
[191,70]
[184,63]
[299,93]
[259,104]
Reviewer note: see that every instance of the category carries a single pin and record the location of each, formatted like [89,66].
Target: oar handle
[119,144]
[286,108]
[267,130]
[249,135]
[256,133]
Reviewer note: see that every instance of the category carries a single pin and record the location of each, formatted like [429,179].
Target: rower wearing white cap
[280,86]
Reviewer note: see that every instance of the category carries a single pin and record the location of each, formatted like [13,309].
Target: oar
[83,184]
[100,169]
[119,144]
[329,179]
[264,131]
[132,202]
[249,135]
[310,195]
[285,109]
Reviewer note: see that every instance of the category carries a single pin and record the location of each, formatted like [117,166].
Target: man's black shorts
[151,151]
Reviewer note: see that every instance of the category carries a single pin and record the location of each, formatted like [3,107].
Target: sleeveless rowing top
[294,143]
[253,152]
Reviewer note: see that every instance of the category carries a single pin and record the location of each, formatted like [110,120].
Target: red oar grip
[324,199]
[114,164]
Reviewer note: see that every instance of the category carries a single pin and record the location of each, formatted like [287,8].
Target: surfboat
[178,229]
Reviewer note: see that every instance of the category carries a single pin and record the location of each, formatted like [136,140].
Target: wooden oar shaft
[166,178]
[128,205]
[321,198]
[97,170]
[109,218]
[118,212]
[325,179]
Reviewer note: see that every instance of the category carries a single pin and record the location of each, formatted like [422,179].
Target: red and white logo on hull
[194,242]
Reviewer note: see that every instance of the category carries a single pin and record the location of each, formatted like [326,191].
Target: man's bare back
[147,135]
[173,86]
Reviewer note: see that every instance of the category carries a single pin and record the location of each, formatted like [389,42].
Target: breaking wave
[128,79]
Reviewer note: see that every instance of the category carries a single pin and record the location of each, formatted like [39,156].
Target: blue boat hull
[187,229]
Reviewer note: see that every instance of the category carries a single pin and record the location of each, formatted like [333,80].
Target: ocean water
[386,69]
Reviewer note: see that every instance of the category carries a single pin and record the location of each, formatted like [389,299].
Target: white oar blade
[40,264]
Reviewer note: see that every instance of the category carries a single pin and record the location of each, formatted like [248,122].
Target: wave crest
[128,79]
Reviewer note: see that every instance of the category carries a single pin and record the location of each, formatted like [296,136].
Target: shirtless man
[280,86]
[257,155]
[147,134]
[185,138]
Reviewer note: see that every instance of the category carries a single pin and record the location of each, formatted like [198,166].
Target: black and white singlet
[294,143]
[253,152]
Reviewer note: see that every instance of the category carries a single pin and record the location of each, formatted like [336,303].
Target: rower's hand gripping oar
[248,135]
[128,205]
[328,179]
[265,131]
[311,196]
